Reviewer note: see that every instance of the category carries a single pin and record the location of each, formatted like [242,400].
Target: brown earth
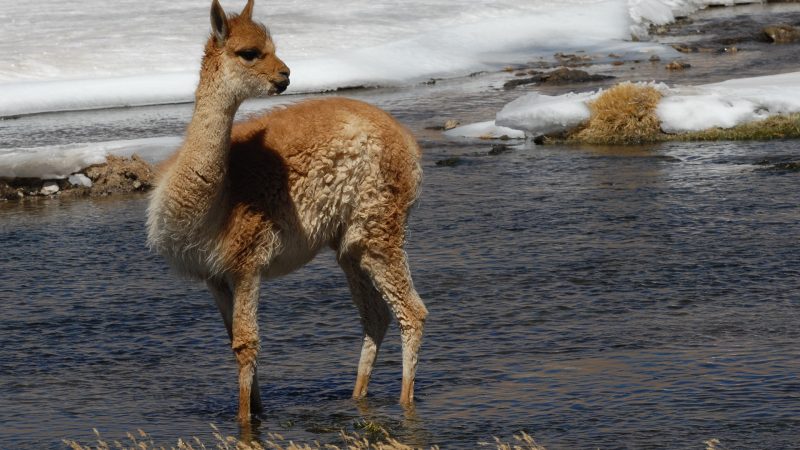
[117,175]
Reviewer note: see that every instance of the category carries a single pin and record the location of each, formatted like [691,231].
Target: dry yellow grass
[624,114]
[349,441]
[353,441]
[774,127]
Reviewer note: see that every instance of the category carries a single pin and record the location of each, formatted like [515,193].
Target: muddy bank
[117,175]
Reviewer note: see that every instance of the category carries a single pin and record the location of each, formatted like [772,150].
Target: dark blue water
[593,297]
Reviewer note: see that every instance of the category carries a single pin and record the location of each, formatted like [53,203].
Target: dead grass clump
[143,441]
[624,114]
[524,442]
[773,127]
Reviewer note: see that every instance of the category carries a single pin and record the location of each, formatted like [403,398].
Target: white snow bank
[487,40]
[74,95]
[729,103]
[681,109]
[536,113]
[59,161]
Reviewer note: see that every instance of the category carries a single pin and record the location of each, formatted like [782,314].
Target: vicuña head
[240,55]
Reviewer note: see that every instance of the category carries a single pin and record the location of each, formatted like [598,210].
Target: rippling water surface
[594,297]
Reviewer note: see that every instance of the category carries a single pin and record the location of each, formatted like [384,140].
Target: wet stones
[677,65]
[499,149]
[779,167]
[49,188]
[570,59]
[447,125]
[562,75]
[79,180]
[449,162]
[782,34]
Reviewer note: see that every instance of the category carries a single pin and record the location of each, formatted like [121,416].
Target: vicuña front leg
[375,317]
[224,300]
[389,272]
[245,342]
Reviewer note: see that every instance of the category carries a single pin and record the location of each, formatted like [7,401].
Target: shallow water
[594,297]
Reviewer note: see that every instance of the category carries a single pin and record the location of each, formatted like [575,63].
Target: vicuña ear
[247,12]
[219,23]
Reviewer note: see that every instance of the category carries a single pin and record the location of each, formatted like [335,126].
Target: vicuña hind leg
[224,300]
[388,269]
[375,316]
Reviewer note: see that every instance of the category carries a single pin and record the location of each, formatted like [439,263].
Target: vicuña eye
[248,54]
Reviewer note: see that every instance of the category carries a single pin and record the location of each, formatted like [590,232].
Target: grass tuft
[524,442]
[624,114]
[774,127]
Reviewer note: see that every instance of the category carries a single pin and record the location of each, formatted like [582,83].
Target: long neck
[208,135]
[195,184]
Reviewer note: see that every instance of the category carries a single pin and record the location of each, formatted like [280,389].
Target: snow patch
[59,161]
[729,103]
[487,129]
[681,109]
[538,114]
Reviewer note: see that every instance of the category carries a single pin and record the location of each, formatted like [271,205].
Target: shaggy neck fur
[186,201]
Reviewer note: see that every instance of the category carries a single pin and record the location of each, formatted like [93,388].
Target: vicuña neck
[209,132]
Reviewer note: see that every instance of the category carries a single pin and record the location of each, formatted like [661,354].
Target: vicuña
[261,198]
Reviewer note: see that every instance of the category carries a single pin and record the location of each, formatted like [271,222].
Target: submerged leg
[224,300]
[375,316]
[239,309]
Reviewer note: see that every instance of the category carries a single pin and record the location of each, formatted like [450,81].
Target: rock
[678,65]
[80,180]
[655,58]
[137,184]
[449,162]
[683,48]
[49,188]
[787,166]
[562,75]
[498,149]
[572,59]
[782,34]
[450,124]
